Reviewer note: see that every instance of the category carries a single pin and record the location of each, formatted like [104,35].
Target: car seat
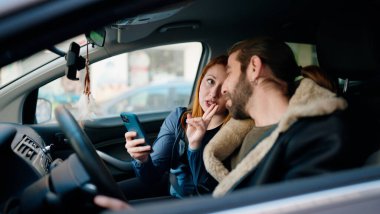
[348,47]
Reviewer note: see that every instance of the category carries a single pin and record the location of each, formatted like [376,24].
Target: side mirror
[96,37]
[43,110]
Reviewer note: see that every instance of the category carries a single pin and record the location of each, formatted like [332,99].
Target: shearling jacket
[310,139]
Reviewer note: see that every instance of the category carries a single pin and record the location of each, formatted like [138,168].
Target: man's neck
[267,107]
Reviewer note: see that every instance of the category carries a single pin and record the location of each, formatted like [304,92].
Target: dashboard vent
[27,148]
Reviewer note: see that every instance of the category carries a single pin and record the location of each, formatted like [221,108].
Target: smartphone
[132,123]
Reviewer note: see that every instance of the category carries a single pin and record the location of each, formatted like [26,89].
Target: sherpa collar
[309,100]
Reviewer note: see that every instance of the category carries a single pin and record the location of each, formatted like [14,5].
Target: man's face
[236,88]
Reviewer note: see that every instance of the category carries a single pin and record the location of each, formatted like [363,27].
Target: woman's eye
[210,81]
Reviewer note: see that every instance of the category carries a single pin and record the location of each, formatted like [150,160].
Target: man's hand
[134,149]
[196,127]
[111,203]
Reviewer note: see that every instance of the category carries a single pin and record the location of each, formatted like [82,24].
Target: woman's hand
[134,148]
[196,127]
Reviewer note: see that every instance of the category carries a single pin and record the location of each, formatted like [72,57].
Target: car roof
[219,23]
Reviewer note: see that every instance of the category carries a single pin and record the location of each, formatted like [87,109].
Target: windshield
[19,68]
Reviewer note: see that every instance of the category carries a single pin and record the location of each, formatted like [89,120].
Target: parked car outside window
[150,80]
[159,97]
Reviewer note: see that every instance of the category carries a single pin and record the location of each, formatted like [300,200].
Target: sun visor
[134,28]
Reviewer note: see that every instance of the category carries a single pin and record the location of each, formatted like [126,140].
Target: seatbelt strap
[174,183]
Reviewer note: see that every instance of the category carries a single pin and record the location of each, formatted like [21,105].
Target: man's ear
[254,68]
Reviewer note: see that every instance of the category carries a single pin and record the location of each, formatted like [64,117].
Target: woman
[200,123]
[320,77]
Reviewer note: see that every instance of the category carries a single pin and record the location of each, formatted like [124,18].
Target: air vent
[27,148]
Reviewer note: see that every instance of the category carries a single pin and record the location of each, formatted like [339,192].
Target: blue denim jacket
[187,165]
[160,160]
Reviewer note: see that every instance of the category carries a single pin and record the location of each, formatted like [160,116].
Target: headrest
[347,46]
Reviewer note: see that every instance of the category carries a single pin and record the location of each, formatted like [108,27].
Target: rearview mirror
[96,37]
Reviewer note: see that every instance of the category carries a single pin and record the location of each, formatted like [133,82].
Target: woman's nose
[215,91]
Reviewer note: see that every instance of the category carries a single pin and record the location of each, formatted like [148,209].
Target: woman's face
[210,88]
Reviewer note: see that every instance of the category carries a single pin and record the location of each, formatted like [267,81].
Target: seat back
[348,47]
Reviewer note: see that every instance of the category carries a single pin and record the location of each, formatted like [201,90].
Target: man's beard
[239,99]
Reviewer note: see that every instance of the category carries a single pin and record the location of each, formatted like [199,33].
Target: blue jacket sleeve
[160,158]
[195,163]
[204,183]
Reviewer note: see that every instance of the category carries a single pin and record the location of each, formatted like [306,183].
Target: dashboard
[23,156]
[33,153]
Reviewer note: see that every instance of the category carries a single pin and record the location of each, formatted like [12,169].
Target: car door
[131,81]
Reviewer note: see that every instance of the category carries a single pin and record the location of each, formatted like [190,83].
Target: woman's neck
[216,121]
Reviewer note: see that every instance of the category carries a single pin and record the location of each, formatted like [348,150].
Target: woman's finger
[140,155]
[211,113]
[130,135]
[139,149]
[134,143]
[209,109]
[194,119]
[198,123]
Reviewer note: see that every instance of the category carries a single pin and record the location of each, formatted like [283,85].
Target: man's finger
[111,203]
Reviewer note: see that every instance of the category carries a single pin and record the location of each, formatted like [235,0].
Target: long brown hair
[320,77]
[196,109]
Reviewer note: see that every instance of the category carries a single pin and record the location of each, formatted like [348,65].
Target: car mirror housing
[96,37]
[74,62]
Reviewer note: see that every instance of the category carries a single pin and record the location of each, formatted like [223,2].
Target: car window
[149,80]
[305,54]
[144,100]
[22,67]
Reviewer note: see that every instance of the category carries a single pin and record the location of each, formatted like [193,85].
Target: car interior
[58,166]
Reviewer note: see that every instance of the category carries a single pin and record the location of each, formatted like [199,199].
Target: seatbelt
[174,183]
[176,154]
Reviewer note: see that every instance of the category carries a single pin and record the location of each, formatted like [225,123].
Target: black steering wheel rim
[87,155]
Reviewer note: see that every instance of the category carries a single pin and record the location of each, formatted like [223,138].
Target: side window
[148,80]
[147,99]
[305,54]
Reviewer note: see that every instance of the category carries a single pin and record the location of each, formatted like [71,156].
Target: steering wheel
[87,155]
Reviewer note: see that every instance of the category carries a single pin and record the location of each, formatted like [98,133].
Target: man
[298,131]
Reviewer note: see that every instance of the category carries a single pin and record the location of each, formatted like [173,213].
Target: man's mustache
[227,96]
